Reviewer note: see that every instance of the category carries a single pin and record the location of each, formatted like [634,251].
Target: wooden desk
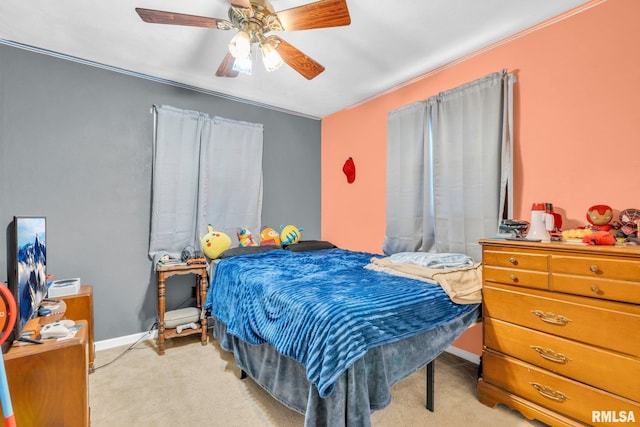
[80,307]
[166,271]
[49,383]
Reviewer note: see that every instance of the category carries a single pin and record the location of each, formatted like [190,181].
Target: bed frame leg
[239,373]
[430,378]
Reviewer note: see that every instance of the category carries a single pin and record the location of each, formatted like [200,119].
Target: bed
[327,332]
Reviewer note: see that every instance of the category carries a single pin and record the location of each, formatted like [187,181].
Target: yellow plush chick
[214,243]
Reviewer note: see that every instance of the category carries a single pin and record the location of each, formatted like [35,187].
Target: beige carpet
[194,385]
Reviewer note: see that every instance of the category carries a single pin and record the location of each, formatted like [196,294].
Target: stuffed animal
[290,234]
[245,238]
[269,236]
[629,222]
[214,243]
[599,238]
[600,216]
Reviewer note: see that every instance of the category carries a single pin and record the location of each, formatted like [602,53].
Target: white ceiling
[389,42]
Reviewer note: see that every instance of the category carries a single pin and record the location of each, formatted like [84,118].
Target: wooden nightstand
[166,271]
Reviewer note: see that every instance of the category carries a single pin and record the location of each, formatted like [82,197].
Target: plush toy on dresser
[599,238]
[600,216]
[628,227]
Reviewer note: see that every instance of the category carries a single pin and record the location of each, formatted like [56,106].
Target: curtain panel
[465,170]
[408,188]
[206,170]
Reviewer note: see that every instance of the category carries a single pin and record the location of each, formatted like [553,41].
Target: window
[205,171]
[449,168]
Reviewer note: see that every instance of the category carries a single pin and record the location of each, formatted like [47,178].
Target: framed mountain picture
[29,284]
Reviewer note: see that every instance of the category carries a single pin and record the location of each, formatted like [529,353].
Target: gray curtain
[409,213]
[231,178]
[205,171]
[466,163]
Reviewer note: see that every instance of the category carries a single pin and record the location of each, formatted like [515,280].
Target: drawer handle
[595,289]
[551,355]
[514,278]
[550,393]
[594,268]
[554,319]
[513,261]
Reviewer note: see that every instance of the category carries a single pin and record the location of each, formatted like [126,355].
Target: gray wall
[75,146]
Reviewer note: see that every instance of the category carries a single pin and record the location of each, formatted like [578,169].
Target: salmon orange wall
[576,117]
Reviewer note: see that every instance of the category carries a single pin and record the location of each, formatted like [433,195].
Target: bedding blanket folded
[463,285]
[323,308]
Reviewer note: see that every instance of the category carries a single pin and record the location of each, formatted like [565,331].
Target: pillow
[310,245]
[247,250]
[433,260]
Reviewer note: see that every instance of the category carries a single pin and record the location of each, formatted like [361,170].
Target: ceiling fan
[254,19]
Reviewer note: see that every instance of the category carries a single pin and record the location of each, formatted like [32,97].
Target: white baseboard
[125,340]
[464,354]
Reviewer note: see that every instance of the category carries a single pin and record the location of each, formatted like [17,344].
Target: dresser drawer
[615,290]
[602,323]
[551,391]
[515,260]
[608,370]
[526,278]
[606,268]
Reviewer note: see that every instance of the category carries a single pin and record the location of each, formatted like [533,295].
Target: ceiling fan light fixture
[240,45]
[243,64]
[255,18]
[270,57]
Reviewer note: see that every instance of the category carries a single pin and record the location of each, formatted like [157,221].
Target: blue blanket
[323,308]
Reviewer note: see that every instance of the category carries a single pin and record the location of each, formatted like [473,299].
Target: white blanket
[463,285]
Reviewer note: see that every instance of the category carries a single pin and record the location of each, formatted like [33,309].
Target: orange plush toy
[599,238]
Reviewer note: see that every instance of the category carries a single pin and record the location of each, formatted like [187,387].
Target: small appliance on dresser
[562,331]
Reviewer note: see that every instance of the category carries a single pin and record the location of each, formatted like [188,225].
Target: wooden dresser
[562,331]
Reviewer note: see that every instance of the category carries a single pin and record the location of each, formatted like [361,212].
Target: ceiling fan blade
[160,17]
[296,59]
[321,14]
[226,67]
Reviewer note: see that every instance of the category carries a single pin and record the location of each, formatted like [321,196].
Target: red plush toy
[599,238]
[599,216]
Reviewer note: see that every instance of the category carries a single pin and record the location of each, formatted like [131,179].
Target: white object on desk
[61,288]
[59,329]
